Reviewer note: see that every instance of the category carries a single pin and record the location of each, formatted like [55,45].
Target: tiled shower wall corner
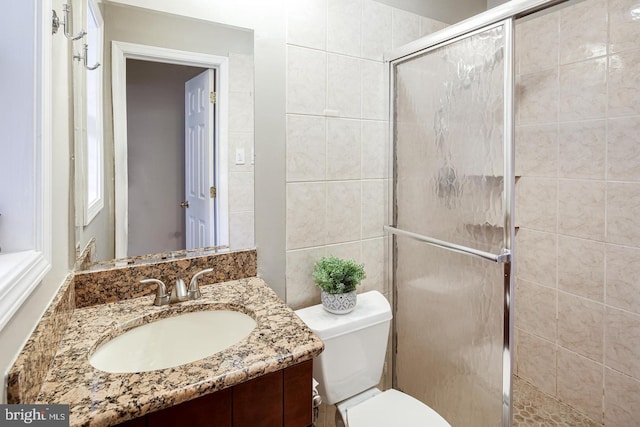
[337,124]
[241,175]
[337,108]
[578,207]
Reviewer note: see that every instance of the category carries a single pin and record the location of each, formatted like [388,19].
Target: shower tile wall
[337,128]
[578,207]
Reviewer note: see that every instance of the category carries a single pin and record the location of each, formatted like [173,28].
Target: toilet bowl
[350,367]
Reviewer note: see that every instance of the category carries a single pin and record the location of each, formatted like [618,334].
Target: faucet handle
[162,298]
[194,289]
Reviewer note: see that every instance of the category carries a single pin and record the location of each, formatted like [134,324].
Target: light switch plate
[239,156]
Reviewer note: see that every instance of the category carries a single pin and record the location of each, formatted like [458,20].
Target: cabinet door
[297,395]
[212,410]
[258,403]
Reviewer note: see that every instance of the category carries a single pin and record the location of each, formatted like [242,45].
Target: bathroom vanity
[281,398]
[262,380]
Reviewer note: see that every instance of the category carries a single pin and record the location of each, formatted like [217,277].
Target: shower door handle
[503,257]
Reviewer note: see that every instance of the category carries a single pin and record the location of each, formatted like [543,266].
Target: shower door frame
[504,15]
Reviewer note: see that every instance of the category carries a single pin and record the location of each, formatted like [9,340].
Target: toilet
[350,367]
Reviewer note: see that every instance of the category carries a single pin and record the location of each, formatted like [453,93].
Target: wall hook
[66,23]
[55,22]
[83,58]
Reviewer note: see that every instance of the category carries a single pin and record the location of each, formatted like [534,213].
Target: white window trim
[120,52]
[21,272]
[93,207]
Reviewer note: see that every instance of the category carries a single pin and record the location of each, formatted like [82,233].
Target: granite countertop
[98,398]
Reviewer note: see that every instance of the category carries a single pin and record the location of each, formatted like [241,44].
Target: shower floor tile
[532,408]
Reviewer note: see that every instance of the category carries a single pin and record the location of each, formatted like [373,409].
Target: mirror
[158,71]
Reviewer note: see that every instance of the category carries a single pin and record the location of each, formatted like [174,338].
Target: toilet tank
[355,346]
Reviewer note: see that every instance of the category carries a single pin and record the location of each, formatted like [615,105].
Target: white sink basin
[172,341]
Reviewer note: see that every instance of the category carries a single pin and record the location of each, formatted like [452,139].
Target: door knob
[184,204]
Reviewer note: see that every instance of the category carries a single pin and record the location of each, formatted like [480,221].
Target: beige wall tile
[306,80]
[376,33]
[428,26]
[623,149]
[240,112]
[241,228]
[344,85]
[583,90]
[621,407]
[581,325]
[306,148]
[344,147]
[624,31]
[581,207]
[373,208]
[373,258]
[583,31]
[306,215]
[307,23]
[536,309]
[375,93]
[624,83]
[241,72]
[351,250]
[241,191]
[580,383]
[622,341]
[344,19]
[623,277]
[537,151]
[582,149]
[537,203]
[537,257]
[537,41]
[537,97]
[581,267]
[375,149]
[623,213]
[344,205]
[537,362]
[405,27]
[301,290]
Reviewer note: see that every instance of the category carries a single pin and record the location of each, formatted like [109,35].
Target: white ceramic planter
[339,303]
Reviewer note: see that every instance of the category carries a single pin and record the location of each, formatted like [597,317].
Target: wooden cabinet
[282,398]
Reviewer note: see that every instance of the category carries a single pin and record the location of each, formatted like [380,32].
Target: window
[25,159]
[93,152]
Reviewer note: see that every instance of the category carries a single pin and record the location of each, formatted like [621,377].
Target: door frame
[120,52]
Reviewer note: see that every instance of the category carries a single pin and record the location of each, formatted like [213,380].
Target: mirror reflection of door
[199,206]
[157,161]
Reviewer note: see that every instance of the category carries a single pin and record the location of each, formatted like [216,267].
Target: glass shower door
[452,226]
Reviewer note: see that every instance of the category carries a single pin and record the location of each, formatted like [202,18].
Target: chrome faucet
[194,289]
[179,292]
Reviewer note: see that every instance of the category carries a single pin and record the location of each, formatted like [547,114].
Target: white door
[199,152]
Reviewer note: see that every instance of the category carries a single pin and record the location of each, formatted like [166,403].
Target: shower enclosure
[452,202]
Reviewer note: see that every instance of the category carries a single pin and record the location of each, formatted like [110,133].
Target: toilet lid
[394,408]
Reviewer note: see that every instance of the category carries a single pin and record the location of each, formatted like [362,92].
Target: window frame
[22,271]
[91,207]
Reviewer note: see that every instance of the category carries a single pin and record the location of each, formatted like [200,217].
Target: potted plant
[338,279]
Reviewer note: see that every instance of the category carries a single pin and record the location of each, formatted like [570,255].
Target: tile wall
[337,112]
[337,124]
[578,207]
[241,175]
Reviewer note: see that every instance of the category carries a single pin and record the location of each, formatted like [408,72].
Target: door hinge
[213,97]
[213,192]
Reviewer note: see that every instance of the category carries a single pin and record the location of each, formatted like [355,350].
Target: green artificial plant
[338,276]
